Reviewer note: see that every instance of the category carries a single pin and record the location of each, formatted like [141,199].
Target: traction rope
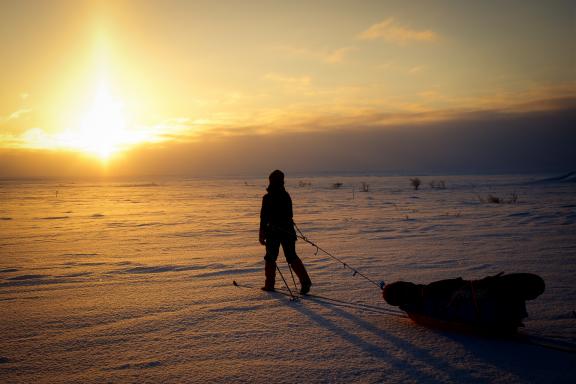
[355,272]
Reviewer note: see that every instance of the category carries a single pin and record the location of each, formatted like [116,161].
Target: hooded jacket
[276,214]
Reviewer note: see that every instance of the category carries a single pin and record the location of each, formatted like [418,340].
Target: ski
[280,291]
[330,301]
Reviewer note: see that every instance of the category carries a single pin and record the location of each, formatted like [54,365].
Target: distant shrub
[492,199]
[337,185]
[415,182]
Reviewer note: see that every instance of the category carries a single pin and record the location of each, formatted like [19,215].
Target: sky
[206,88]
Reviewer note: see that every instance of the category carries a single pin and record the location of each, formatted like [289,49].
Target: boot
[300,271]
[270,272]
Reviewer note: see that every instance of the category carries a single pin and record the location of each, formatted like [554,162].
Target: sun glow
[106,125]
[103,128]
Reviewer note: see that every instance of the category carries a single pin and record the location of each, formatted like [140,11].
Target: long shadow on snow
[514,356]
[440,367]
[509,355]
[412,371]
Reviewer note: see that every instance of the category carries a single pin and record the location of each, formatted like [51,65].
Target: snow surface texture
[119,282]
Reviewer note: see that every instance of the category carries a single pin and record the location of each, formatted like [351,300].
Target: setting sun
[103,128]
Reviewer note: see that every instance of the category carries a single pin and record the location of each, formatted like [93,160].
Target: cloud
[480,141]
[486,141]
[331,56]
[290,83]
[16,115]
[416,69]
[393,32]
[19,113]
[336,109]
[347,108]
[348,117]
[337,55]
[153,132]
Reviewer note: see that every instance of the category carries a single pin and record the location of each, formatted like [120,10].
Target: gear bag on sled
[494,304]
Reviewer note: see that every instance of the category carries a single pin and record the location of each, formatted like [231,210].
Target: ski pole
[293,297]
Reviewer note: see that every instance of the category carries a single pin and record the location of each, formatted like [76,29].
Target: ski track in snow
[132,282]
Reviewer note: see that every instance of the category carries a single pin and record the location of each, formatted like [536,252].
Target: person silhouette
[277,228]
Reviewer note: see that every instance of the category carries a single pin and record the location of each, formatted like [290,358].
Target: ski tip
[234,283]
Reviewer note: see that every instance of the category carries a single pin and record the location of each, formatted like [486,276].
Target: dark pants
[273,248]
